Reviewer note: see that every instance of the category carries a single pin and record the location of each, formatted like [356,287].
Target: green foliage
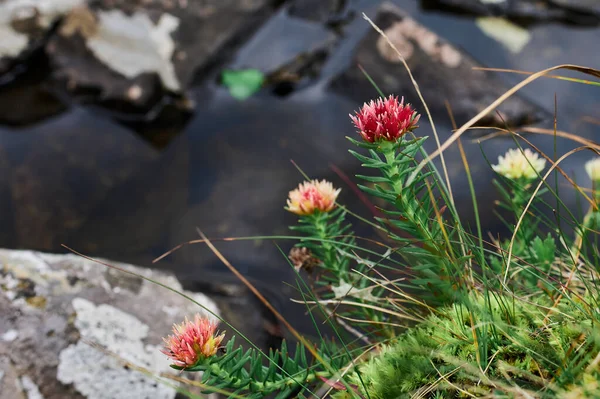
[329,234]
[244,83]
[543,251]
[331,242]
[541,348]
[517,317]
[244,373]
[414,222]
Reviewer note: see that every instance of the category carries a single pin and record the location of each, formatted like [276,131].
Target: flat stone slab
[443,72]
[329,12]
[578,12]
[111,45]
[67,325]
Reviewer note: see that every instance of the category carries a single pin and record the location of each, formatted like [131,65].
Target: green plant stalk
[515,199]
[330,257]
[227,379]
[409,205]
[518,202]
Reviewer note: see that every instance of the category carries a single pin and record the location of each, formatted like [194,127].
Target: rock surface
[290,51]
[122,47]
[135,58]
[69,327]
[332,13]
[25,23]
[443,72]
[578,12]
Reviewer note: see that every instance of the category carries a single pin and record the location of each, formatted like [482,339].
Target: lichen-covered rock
[133,52]
[74,328]
[23,24]
[135,58]
[444,74]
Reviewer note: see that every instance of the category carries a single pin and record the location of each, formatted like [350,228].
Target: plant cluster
[440,311]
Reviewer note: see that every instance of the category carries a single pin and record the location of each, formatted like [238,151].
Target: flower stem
[329,255]
[408,204]
[227,379]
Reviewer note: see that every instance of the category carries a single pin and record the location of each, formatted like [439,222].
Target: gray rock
[289,51]
[134,58]
[578,12]
[443,72]
[133,52]
[23,25]
[68,326]
[330,12]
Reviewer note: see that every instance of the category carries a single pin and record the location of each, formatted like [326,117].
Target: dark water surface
[85,181]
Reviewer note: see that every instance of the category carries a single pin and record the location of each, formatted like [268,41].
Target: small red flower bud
[385,119]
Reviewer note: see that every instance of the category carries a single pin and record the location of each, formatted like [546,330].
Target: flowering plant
[440,311]
[192,342]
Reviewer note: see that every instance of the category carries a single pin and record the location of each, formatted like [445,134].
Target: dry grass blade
[492,106]
[519,72]
[358,304]
[535,130]
[371,322]
[396,291]
[560,133]
[120,269]
[416,86]
[264,300]
[358,334]
[526,209]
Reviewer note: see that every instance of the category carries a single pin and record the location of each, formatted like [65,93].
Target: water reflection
[83,180]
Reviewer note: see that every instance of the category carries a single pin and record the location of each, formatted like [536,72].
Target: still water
[83,180]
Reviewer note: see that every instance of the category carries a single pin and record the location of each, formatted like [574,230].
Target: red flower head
[385,119]
[192,341]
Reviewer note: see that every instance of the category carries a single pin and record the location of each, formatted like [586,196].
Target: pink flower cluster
[192,341]
[311,196]
[385,119]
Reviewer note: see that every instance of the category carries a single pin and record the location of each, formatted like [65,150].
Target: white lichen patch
[18,265]
[47,10]
[118,317]
[55,275]
[13,43]
[511,36]
[132,45]
[31,390]
[9,336]
[98,375]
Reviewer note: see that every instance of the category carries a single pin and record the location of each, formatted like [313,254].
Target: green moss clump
[488,347]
